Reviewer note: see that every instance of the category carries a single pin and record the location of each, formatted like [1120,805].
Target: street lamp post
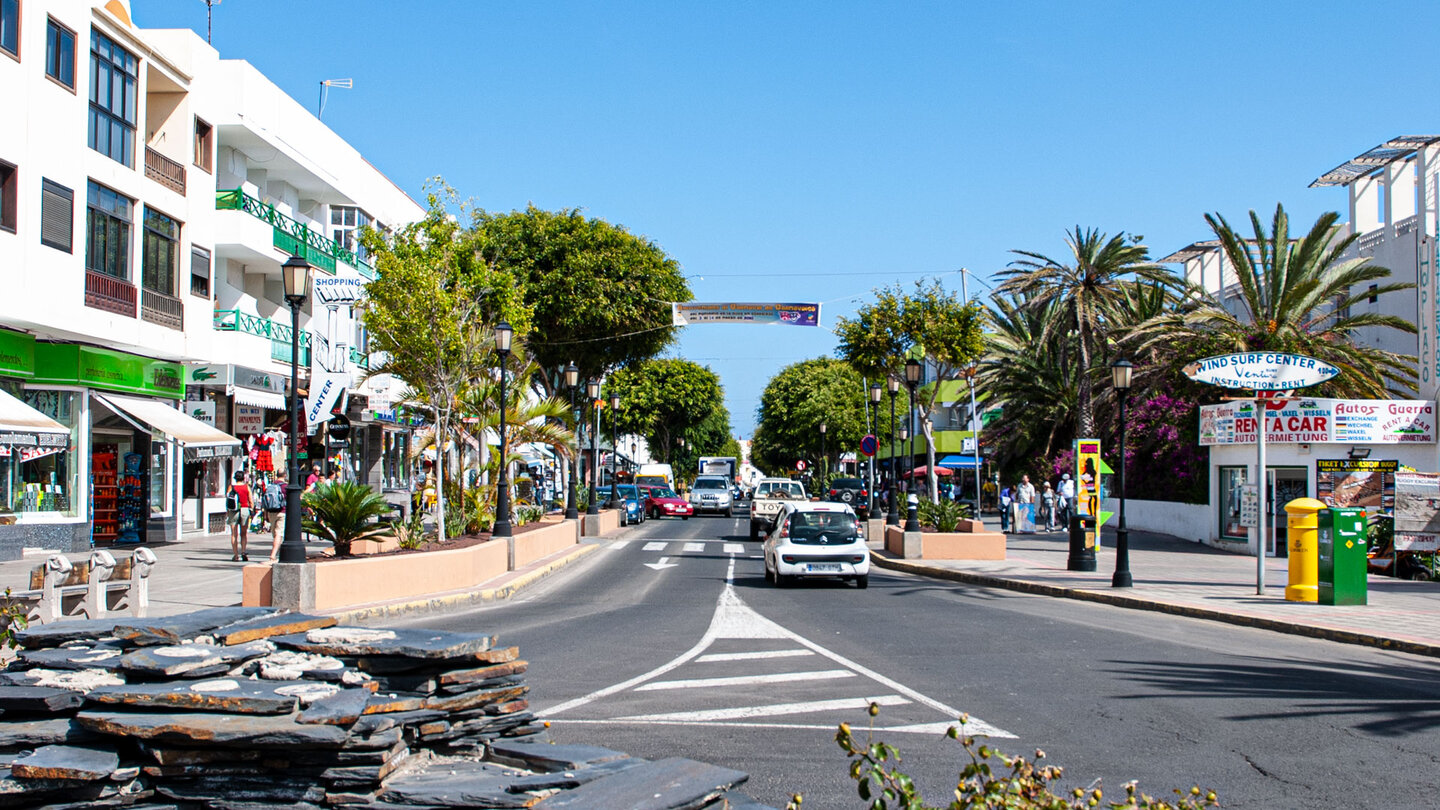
[874,496]
[614,450]
[912,379]
[503,334]
[824,459]
[572,381]
[893,519]
[592,393]
[296,272]
[1120,377]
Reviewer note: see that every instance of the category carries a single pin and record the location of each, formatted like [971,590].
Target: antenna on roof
[343,84]
[209,8]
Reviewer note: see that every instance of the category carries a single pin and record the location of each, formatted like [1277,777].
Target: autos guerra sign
[1306,421]
[787,314]
[1261,371]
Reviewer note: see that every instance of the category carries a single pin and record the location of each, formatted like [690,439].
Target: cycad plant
[343,512]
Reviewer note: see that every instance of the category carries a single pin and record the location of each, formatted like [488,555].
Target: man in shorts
[238,503]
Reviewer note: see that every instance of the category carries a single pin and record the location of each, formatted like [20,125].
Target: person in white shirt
[1067,499]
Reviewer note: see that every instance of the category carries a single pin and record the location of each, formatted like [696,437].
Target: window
[10,27]
[1374,297]
[107,243]
[60,53]
[34,480]
[346,222]
[1232,485]
[200,272]
[113,85]
[7,196]
[204,145]
[159,252]
[57,216]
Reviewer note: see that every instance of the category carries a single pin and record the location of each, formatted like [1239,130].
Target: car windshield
[847,483]
[778,489]
[661,492]
[709,483]
[823,528]
[627,491]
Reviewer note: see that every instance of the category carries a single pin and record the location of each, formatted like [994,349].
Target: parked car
[816,539]
[852,493]
[634,511]
[662,502]
[711,493]
[737,493]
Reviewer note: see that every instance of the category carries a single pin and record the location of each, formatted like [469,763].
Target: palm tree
[1295,296]
[343,513]
[1032,375]
[1086,292]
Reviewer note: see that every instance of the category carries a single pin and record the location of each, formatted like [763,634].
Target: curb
[1138,603]
[460,600]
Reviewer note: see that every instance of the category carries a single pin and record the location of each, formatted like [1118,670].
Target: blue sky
[811,151]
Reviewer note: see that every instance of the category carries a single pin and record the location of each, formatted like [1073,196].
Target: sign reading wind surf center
[1261,371]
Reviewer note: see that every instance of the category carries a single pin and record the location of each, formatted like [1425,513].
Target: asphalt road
[670,643]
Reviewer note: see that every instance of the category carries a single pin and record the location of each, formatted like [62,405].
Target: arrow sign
[663,563]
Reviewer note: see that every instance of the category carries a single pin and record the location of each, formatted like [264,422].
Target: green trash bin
[1343,561]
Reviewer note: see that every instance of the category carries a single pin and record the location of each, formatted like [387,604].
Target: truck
[719,465]
[655,475]
[770,496]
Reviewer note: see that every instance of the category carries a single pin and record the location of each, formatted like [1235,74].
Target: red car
[663,502]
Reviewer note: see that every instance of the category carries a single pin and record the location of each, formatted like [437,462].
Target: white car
[711,493]
[816,539]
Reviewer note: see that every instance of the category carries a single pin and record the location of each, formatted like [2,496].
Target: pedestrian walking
[238,503]
[1005,504]
[1067,499]
[1047,506]
[273,500]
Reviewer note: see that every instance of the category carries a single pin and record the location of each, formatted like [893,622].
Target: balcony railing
[292,236]
[109,294]
[164,171]
[233,320]
[166,310]
[359,359]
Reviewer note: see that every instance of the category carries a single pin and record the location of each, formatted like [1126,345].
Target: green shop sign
[17,354]
[69,364]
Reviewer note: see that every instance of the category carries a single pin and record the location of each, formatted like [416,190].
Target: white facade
[206,178]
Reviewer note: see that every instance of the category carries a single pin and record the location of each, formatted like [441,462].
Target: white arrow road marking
[748,656]
[694,546]
[733,619]
[775,709]
[658,545]
[734,548]
[747,680]
[664,562]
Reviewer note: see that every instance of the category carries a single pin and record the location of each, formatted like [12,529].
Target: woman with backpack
[274,501]
[238,503]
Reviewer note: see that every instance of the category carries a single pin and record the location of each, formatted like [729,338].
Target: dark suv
[852,493]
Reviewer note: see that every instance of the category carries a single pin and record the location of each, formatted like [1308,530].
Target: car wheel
[730,513]
[769,576]
[684,517]
[863,581]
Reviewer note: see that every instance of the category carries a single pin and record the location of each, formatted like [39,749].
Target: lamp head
[822,428]
[893,383]
[1120,371]
[503,334]
[592,388]
[296,274]
[875,392]
[904,433]
[912,371]
[614,402]
[572,375]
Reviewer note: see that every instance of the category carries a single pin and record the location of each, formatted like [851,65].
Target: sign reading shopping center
[1261,371]
[1317,421]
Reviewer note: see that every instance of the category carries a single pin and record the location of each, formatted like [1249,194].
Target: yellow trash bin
[1303,539]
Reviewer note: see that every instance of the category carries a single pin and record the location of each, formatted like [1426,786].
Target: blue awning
[959,462]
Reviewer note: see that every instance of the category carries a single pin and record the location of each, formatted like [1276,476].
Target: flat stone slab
[174,629]
[666,784]
[38,699]
[193,659]
[550,758]
[75,762]
[404,643]
[38,636]
[275,624]
[238,695]
[75,680]
[245,730]
[566,780]
[34,733]
[480,674]
[472,785]
[342,708]
[72,658]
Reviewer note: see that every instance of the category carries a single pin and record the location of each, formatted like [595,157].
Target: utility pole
[974,415]
[209,10]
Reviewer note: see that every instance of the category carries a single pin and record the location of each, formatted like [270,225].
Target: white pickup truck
[770,495]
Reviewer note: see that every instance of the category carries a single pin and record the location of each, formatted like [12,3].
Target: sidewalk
[1185,578]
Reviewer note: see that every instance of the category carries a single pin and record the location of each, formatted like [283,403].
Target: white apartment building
[149,193]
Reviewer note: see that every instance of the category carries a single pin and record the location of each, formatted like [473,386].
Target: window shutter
[57,216]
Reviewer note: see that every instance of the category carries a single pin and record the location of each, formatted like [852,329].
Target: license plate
[823,568]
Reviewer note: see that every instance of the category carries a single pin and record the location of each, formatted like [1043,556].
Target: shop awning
[23,426]
[261,399]
[200,441]
[959,462]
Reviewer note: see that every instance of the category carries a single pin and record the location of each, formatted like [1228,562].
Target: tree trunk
[927,426]
[1085,422]
[442,429]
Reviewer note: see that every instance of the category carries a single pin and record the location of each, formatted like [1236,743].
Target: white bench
[86,586]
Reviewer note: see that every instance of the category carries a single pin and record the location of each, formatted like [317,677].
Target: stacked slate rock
[254,708]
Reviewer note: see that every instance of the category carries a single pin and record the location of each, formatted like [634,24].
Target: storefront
[1314,448]
[249,404]
[130,438]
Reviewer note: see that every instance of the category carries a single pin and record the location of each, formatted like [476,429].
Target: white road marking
[745,712]
[661,564]
[618,544]
[746,680]
[748,656]
[734,548]
[658,545]
[694,546]
[927,728]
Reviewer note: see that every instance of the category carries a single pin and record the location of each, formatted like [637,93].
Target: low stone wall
[962,546]
[377,546]
[346,583]
[551,537]
[595,525]
[1187,521]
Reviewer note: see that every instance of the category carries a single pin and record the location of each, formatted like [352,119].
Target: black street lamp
[893,518]
[503,334]
[614,450]
[874,496]
[592,393]
[912,379]
[1120,378]
[572,381]
[296,273]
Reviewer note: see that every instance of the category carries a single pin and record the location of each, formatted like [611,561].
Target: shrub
[944,516]
[411,532]
[343,512]
[528,514]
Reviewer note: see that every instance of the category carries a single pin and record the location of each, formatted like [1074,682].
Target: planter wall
[980,545]
[343,583]
[542,542]
[595,525]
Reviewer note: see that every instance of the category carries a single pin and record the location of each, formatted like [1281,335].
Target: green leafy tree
[1084,290]
[668,399]
[345,511]
[931,323]
[598,293]
[796,401]
[1296,295]
[433,307]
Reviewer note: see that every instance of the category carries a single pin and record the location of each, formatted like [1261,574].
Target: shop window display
[1232,480]
[35,480]
[395,460]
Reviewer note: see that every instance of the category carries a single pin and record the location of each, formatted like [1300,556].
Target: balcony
[164,171]
[166,310]
[279,334]
[293,236]
[109,294]
[359,359]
